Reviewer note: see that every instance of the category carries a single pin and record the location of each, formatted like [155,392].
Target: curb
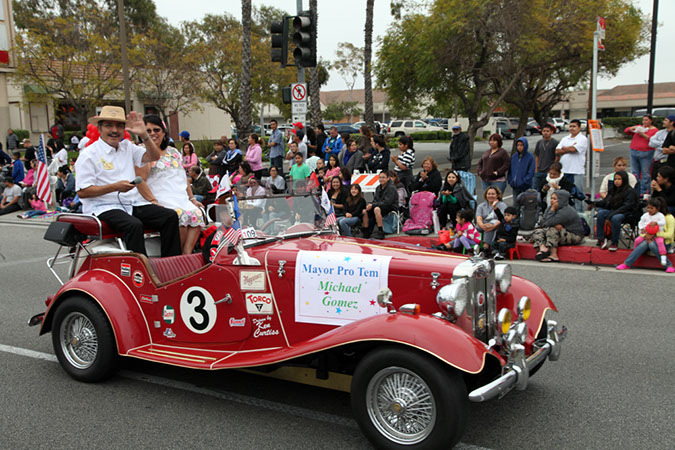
[578,254]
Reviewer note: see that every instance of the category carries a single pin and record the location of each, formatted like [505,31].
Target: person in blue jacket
[18,172]
[333,144]
[521,172]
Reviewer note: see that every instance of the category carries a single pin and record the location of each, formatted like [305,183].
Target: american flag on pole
[232,235]
[328,207]
[43,190]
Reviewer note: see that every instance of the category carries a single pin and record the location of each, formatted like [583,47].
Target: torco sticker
[237,322]
[481,299]
[259,304]
[138,278]
[168,314]
[169,333]
[252,280]
[125,270]
[198,310]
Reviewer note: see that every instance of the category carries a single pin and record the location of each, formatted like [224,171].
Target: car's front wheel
[83,340]
[404,399]
[528,133]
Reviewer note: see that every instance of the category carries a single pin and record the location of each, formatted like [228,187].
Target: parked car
[420,332]
[344,128]
[408,126]
[560,124]
[657,112]
[536,128]
[358,125]
[504,128]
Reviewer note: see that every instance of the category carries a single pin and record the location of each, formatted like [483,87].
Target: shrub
[21,134]
[424,136]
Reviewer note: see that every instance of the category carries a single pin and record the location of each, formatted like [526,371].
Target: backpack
[421,211]
[528,209]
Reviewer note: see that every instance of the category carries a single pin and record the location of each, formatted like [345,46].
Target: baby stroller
[421,213]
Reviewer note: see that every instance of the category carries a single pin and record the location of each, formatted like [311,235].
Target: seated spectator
[354,206]
[38,207]
[659,242]
[487,220]
[561,225]
[201,186]
[402,192]
[379,156]
[384,201]
[18,172]
[29,179]
[507,233]
[466,234]
[620,163]
[71,165]
[351,157]
[521,172]
[65,184]
[346,176]
[663,186]
[10,196]
[337,194]
[555,180]
[429,178]
[453,198]
[189,157]
[618,207]
[275,182]
[299,170]
[333,167]
[321,177]
[244,170]
[253,208]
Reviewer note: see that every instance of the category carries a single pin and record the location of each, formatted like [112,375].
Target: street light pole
[125,58]
[652,58]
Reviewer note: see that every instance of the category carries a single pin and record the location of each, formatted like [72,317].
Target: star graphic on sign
[327,293]
[338,310]
[348,258]
[307,303]
[372,302]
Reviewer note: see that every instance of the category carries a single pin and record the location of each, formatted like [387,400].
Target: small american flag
[232,235]
[42,187]
[328,207]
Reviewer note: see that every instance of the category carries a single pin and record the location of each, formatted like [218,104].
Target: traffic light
[305,40]
[286,95]
[279,31]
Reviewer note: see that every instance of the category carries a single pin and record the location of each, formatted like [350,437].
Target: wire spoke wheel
[401,405]
[79,341]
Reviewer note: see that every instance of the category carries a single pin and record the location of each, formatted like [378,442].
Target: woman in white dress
[166,185]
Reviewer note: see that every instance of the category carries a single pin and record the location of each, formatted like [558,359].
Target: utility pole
[125,58]
[652,57]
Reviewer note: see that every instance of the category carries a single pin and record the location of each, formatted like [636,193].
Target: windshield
[263,217]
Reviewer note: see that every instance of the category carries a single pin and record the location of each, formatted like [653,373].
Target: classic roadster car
[419,333]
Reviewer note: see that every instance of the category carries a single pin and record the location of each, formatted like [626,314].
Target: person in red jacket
[641,154]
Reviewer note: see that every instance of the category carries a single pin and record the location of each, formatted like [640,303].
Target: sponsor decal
[198,310]
[237,322]
[168,314]
[263,327]
[138,278]
[334,288]
[258,304]
[125,270]
[169,333]
[252,280]
[147,298]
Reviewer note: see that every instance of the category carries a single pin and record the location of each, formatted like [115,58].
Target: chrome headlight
[503,276]
[384,297]
[524,308]
[504,320]
[453,298]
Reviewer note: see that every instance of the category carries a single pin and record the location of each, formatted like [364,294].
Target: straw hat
[112,113]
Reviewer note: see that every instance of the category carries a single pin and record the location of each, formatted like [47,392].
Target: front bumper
[517,372]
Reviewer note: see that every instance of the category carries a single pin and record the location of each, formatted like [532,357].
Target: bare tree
[314,83]
[367,69]
[245,88]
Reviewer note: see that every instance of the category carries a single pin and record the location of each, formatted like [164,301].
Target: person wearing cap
[29,154]
[663,143]
[10,197]
[104,182]
[297,126]
[185,139]
[460,151]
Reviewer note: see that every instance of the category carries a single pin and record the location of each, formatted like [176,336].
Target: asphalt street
[612,387]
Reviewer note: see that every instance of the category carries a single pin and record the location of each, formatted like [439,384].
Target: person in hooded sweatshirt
[521,172]
[560,226]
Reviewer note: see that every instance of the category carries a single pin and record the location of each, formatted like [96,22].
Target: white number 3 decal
[198,310]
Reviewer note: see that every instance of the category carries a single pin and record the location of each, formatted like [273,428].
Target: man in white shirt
[104,182]
[572,152]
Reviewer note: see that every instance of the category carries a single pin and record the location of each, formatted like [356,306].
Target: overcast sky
[344,20]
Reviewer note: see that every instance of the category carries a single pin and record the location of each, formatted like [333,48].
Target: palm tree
[367,57]
[314,85]
[244,125]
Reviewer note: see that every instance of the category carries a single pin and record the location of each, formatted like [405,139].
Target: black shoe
[377,235]
[440,247]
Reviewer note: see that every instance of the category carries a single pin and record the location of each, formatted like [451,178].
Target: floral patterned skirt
[190,218]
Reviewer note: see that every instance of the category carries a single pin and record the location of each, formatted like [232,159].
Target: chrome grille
[480,274]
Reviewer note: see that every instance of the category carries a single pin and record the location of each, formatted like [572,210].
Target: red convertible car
[418,333]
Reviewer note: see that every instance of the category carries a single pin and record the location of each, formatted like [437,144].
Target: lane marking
[221,395]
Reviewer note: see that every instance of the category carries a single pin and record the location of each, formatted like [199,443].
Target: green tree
[335,112]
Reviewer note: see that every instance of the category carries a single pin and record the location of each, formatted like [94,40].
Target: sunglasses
[155,130]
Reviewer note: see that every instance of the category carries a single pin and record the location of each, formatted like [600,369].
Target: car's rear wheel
[528,133]
[83,340]
[399,134]
[404,399]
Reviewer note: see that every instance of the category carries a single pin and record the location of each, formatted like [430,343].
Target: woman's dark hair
[64,169]
[466,214]
[337,162]
[155,120]
[349,143]
[407,141]
[352,199]
[667,172]
[345,136]
[311,134]
[617,195]
[459,179]
[366,131]
[246,166]
[346,174]
[320,126]
[649,116]
[379,140]
[556,166]
[188,146]
[496,137]
[231,140]
[255,137]
[660,204]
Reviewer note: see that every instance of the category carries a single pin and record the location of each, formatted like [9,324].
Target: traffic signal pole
[301,70]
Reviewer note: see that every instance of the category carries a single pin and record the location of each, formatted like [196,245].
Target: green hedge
[21,134]
[424,136]
[621,123]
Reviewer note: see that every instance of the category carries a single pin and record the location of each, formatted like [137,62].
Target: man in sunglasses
[105,182]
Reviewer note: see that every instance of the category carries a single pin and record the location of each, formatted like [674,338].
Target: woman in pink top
[254,155]
[641,154]
[189,157]
[29,179]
